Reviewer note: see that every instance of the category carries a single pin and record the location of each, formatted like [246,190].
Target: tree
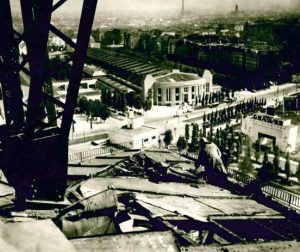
[82,104]
[138,101]
[147,104]
[210,134]
[130,98]
[104,112]
[257,150]
[89,109]
[276,159]
[195,138]
[246,164]
[287,166]
[96,108]
[267,172]
[123,103]
[187,132]
[90,112]
[238,150]
[168,138]
[181,143]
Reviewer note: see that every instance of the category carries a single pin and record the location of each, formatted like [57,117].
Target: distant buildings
[87,88]
[253,65]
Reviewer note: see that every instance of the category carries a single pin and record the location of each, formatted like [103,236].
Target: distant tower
[182,8]
[236,8]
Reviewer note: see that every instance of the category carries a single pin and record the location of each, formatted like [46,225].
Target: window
[146,140]
[193,93]
[207,87]
[62,87]
[159,94]
[186,89]
[177,94]
[84,85]
[154,137]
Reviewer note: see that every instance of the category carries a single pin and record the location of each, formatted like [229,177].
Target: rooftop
[178,77]
[134,132]
[121,207]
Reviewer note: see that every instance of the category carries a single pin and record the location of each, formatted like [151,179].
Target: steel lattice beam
[85,28]
[42,147]
[9,75]
[36,18]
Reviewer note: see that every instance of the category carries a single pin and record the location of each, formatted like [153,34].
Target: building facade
[177,88]
[271,130]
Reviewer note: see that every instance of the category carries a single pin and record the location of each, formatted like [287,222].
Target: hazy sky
[172,5]
[156,6]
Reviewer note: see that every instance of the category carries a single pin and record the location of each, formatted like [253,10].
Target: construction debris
[149,201]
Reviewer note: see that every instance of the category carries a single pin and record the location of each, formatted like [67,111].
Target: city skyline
[175,6]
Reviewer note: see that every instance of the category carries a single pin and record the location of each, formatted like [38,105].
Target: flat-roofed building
[94,71]
[271,130]
[178,87]
[62,85]
[136,135]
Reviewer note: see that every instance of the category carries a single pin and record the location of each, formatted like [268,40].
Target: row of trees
[270,170]
[230,143]
[116,99]
[214,97]
[119,101]
[225,114]
[238,147]
[93,109]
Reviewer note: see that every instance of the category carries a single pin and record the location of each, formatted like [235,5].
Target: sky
[159,6]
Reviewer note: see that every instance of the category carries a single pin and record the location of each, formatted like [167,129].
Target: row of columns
[199,90]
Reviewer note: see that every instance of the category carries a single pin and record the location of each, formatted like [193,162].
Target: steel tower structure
[33,148]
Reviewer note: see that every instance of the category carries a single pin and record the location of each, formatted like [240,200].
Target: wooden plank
[146,242]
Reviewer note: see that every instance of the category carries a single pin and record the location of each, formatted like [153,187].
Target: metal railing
[285,197]
[288,198]
[83,155]
[88,154]
[239,176]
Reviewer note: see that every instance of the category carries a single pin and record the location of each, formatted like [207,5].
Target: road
[177,124]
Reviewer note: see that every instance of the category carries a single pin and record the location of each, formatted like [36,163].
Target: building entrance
[267,141]
[186,98]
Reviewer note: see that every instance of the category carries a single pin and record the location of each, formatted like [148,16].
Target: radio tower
[182,8]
